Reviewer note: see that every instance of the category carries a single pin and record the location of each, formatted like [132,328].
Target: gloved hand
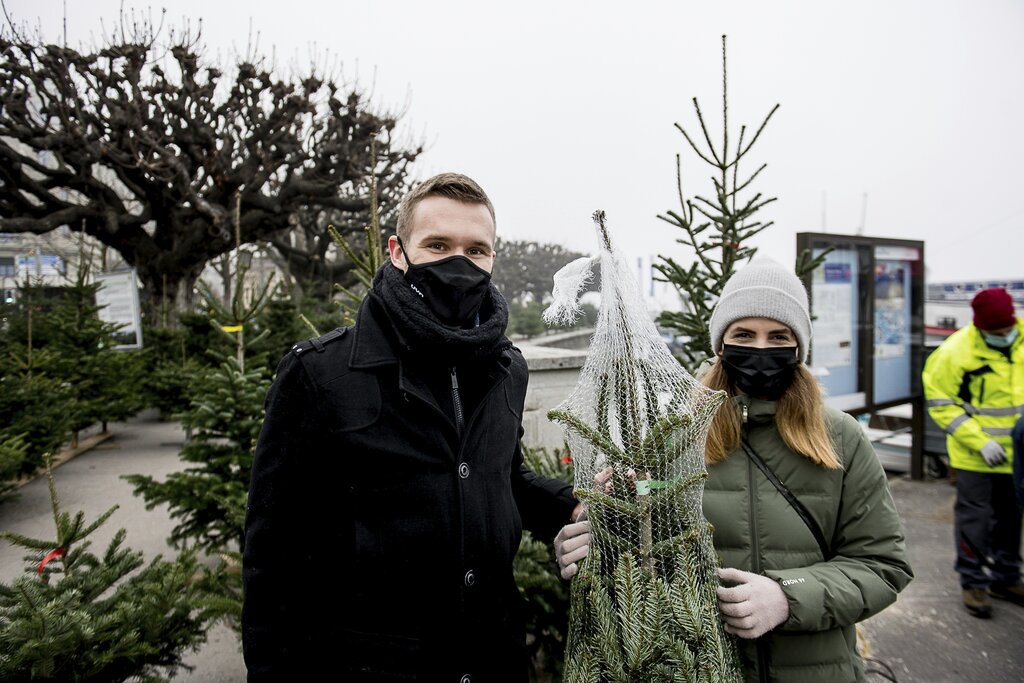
[993,453]
[752,608]
[571,545]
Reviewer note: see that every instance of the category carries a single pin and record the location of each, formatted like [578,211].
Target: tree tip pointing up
[599,219]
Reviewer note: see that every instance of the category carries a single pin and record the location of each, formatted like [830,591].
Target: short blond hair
[451,185]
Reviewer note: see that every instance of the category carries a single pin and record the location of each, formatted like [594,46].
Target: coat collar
[984,351]
[376,341]
[754,410]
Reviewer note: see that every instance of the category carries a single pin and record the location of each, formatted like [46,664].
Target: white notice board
[118,299]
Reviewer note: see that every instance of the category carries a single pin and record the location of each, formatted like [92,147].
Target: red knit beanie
[993,309]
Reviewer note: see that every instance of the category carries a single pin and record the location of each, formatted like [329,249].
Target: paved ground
[925,637]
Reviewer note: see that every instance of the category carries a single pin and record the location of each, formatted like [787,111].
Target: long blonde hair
[799,417]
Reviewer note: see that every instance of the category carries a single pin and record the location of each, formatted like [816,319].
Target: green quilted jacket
[757,530]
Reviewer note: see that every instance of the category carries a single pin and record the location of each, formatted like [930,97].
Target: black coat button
[469,579]
[464,471]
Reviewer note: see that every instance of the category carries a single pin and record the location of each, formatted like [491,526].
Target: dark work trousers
[987,528]
[1018,462]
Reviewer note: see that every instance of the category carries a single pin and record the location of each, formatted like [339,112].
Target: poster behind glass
[892,372]
[836,316]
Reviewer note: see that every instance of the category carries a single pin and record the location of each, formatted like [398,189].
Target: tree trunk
[223,268]
[164,293]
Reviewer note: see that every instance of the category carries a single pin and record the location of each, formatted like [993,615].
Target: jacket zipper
[457,403]
[755,554]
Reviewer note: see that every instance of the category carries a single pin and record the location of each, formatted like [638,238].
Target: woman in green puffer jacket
[794,582]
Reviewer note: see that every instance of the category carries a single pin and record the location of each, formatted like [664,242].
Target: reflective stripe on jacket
[975,393]
[757,530]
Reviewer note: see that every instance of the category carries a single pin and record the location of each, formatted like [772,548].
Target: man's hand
[752,608]
[571,545]
[993,453]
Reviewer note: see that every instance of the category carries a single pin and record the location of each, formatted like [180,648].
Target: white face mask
[1000,341]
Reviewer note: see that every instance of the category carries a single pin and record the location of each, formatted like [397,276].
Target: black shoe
[1013,592]
[977,603]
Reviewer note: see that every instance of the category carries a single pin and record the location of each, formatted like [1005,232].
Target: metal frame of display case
[866,278]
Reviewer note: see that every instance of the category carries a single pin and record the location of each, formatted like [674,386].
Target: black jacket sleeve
[545,505]
[276,620]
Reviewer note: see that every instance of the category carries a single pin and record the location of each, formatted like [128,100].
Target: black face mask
[761,373]
[453,287]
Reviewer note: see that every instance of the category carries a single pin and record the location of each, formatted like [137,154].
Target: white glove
[752,608]
[571,545]
[993,453]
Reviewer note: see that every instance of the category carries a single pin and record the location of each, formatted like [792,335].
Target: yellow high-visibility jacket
[975,394]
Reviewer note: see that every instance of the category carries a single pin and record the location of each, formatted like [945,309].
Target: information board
[834,294]
[893,322]
[867,308]
[118,299]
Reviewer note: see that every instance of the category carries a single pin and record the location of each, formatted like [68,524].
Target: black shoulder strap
[319,342]
[805,515]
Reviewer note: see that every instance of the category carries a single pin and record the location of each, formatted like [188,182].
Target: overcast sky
[561,107]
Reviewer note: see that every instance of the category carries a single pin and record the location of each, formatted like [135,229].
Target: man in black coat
[388,491]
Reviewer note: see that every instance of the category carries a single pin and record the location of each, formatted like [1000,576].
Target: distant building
[260,269]
[48,260]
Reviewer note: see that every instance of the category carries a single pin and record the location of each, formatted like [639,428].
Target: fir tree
[172,365]
[366,261]
[717,230]
[35,403]
[545,594]
[76,616]
[13,452]
[103,380]
[35,408]
[59,350]
[208,498]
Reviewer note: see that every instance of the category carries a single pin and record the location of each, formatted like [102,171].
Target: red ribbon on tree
[50,556]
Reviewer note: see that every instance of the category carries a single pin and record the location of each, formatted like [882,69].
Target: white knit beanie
[763,289]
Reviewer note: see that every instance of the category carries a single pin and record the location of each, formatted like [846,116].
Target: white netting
[643,603]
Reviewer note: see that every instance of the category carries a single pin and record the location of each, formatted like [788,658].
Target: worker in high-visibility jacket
[974,387]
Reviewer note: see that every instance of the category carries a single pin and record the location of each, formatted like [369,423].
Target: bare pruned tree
[309,255]
[146,148]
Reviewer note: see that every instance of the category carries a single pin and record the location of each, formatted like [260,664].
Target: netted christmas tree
[643,605]
[76,616]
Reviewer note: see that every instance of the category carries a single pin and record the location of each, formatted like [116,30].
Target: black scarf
[421,332]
